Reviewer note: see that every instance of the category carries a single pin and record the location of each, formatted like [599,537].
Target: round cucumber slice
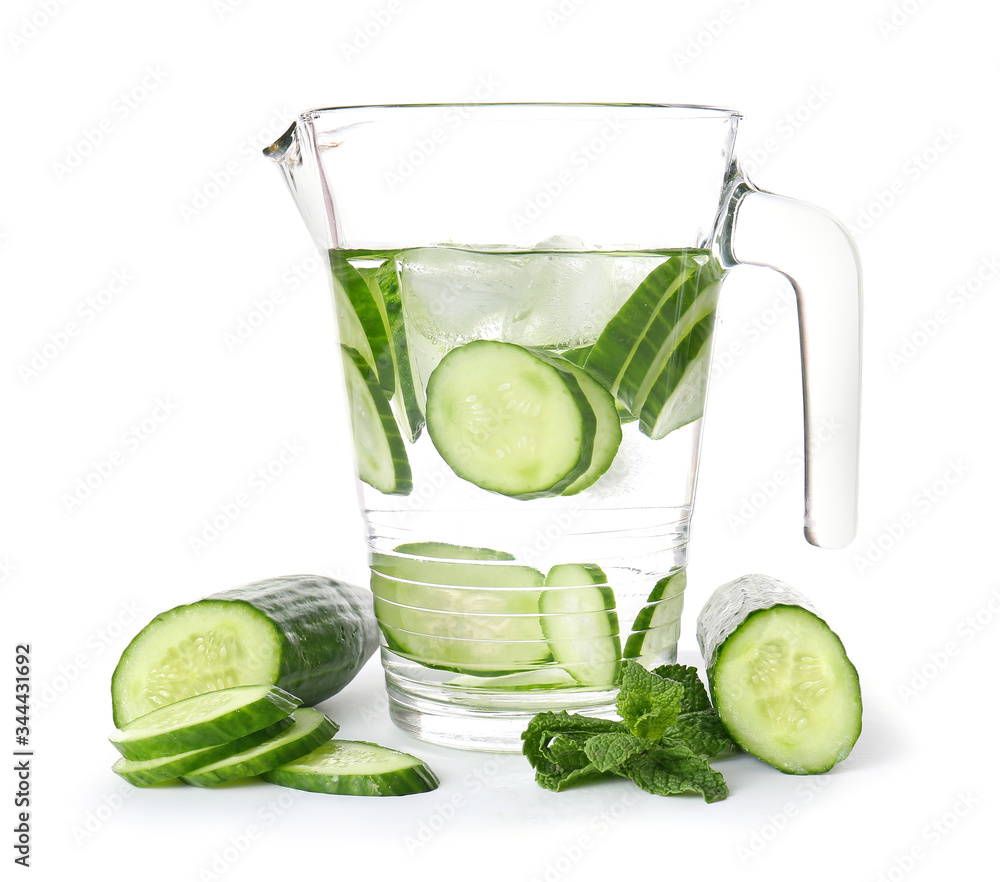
[203,721]
[355,768]
[310,728]
[378,445]
[145,773]
[508,421]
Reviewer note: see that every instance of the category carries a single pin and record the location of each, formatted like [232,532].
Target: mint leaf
[701,731]
[648,703]
[554,744]
[672,770]
[695,695]
[609,751]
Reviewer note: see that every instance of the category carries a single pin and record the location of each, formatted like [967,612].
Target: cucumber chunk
[780,679]
[657,626]
[509,421]
[356,768]
[310,635]
[309,729]
[580,622]
[145,773]
[203,721]
[378,446]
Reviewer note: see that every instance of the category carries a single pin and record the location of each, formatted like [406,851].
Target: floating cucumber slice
[310,728]
[656,625]
[780,679]
[360,321]
[509,421]
[408,395]
[203,721]
[355,768]
[580,622]
[378,446]
[144,773]
[523,681]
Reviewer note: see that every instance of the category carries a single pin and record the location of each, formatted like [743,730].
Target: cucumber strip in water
[309,729]
[356,768]
[780,679]
[360,321]
[408,395]
[308,634]
[509,421]
[656,627]
[144,773]
[580,622]
[378,446]
[203,721]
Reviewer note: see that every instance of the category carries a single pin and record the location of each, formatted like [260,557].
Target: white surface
[215,81]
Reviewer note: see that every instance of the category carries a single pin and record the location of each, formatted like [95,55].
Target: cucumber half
[780,679]
[508,421]
[203,721]
[355,768]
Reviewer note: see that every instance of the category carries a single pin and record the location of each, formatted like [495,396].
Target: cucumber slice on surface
[308,634]
[355,768]
[378,446]
[360,321]
[780,679]
[310,728]
[408,395]
[509,421]
[203,721]
[144,773]
[581,624]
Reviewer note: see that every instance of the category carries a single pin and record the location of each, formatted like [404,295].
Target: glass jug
[525,297]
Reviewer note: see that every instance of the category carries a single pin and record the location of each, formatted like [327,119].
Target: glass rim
[682,110]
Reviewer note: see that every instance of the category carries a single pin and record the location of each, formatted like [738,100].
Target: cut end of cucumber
[787,692]
[190,650]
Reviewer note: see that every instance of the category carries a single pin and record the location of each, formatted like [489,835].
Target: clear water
[470,669]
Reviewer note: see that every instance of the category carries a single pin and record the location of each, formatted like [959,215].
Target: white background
[881,112]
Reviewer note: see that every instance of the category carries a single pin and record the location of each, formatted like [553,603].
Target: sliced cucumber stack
[310,728]
[653,353]
[780,679]
[378,446]
[509,421]
[581,624]
[203,721]
[355,768]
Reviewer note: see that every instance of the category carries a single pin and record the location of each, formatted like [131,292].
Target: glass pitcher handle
[817,255]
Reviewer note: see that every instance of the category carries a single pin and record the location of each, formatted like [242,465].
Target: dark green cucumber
[360,321]
[378,447]
[145,773]
[308,634]
[509,421]
[356,768]
[204,720]
[780,679]
[310,728]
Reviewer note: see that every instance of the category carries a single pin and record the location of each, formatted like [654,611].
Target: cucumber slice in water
[378,446]
[203,721]
[657,625]
[780,679]
[581,624]
[509,421]
[310,728]
[145,773]
[356,768]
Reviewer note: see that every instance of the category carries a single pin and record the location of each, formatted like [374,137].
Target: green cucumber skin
[732,607]
[169,768]
[326,631]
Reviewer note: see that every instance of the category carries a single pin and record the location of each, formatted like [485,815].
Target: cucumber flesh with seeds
[310,728]
[204,720]
[656,627]
[308,634]
[356,768]
[580,622]
[145,773]
[508,421]
[378,447]
[780,679]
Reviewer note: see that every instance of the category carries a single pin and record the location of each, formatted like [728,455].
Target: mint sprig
[663,742]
